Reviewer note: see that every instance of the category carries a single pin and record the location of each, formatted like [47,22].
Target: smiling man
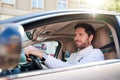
[84,34]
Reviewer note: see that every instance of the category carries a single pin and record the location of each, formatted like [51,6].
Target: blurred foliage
[108,5]
[111,5]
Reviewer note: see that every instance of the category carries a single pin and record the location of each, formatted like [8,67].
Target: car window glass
[49,47]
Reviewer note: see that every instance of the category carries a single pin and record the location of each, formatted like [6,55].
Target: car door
[108,70]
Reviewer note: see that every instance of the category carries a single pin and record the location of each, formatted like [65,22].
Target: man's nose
[76,38]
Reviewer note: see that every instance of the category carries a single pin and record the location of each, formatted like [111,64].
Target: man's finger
[29,59]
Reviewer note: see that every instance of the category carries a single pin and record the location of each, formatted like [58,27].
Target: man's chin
[80,47]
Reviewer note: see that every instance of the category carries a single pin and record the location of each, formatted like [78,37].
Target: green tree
[111,5]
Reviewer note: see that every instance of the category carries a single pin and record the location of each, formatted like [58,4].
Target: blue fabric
[7,33]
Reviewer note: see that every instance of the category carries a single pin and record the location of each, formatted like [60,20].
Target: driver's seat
[101,39]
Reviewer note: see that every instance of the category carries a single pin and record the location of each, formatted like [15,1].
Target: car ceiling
[63,28]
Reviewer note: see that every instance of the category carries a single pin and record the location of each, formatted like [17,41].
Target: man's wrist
[44,56]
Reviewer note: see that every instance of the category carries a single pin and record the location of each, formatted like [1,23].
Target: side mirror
[10,45]
[29,35]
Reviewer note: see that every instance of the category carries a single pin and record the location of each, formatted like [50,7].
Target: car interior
[63,33]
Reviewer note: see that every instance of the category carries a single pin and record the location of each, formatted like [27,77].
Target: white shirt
[86,55]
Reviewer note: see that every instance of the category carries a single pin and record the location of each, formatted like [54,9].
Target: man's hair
[88,28]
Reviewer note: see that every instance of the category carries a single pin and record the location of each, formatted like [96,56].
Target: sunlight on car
[95,4]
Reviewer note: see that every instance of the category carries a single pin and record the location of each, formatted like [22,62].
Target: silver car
[53,32]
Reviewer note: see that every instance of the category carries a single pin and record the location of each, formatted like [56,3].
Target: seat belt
[111,44]
[103,48]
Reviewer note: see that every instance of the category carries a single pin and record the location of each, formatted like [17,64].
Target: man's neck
[84,47]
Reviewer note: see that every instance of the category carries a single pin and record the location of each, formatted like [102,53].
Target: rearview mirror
[10,45]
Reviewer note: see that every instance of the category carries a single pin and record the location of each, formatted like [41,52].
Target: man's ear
[90,38]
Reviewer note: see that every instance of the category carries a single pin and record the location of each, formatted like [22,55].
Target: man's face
[11,48]
[81,39]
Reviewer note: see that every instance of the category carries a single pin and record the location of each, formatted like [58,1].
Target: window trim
[58,70]
[58,49]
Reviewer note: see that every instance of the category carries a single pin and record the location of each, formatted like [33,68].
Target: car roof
[56,13]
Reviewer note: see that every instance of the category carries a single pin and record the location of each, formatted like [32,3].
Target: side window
[49,47]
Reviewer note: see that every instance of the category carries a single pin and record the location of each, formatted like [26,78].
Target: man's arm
[50,61]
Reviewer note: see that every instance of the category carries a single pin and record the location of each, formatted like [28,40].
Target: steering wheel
[36,62]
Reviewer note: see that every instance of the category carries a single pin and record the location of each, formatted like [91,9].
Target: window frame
[63,3]
[39,7]
[8,1]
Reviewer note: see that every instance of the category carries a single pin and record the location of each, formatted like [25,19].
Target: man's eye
[80,34]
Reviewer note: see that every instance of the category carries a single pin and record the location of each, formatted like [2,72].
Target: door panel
[105,72]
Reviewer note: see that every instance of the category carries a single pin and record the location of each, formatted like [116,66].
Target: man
[84,34]
[10,46]
[10,49]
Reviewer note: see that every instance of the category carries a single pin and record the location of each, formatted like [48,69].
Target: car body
[59,26]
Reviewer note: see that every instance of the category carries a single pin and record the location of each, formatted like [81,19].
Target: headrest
[101,37]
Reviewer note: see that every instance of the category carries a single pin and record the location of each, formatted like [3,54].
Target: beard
[81,45]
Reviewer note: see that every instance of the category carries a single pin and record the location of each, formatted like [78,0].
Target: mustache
[77,41]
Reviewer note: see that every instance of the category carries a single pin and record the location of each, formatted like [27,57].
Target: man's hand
[34,51]
[4,79]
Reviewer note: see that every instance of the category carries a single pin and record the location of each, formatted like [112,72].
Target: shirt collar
[85,51]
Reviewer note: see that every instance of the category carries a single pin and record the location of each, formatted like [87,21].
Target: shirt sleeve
[52,62]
